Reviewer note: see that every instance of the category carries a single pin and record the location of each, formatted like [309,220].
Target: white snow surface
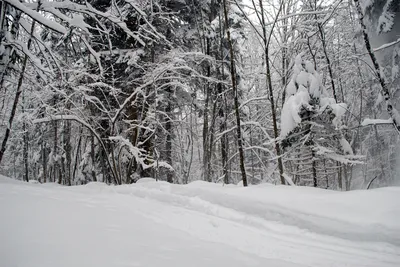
[201,224]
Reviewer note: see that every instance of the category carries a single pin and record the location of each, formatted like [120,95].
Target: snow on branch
[129,99]
[368,122]
[158,34]
[384,46]
[77,21]
[288,179]
[138,154]
[64,117]
[37,16]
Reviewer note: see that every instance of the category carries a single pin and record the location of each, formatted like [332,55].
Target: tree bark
[271,93]
[206,141]
[44,160]
[67,149]
[92,156]
[222,114]
[26,144]
[169,130]
[16,98]
[236,97]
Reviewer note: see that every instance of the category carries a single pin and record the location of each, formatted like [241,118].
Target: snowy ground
[158,224]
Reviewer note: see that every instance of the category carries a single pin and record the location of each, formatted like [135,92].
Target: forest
[292,92]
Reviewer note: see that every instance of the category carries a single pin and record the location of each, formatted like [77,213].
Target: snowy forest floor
[158,224]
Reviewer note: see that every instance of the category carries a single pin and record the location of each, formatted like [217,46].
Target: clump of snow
[365,4]
[145,180]
[367,122]
[306,84]
[96,185]
[378,100]
[291,88]
[386,19]
[339,110]
[346,147]
[290,117]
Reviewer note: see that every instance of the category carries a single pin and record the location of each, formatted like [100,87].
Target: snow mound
[145,180]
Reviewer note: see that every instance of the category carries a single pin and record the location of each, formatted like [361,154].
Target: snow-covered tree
[312,129]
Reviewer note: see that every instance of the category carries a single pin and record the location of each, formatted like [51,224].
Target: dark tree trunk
[92,156]
[67,148]
[314,170]
[26,144]
[223,114]
[44,159]
[271,93]
[236,97]
[169,130]
[206,137]
[16,98]
[78,149]
[55,152]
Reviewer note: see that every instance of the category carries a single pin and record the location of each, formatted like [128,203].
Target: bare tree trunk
[236,97]
[26,144]
[314,169]
[190,146]
[16,98]
[285,60]
[328,62]
[206,138]
[169,130]
[55,152]
[78,149]
[44,160]
[224,138]
[9,56]
[93,158]
[271,91]
[211,141]
[346,178]
[67,149]
[223,113]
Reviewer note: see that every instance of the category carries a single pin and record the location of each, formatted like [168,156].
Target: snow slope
[157,224]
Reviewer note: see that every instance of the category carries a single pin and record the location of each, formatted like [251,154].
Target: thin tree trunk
[285,61]
[78,149]
[346,178]
[328,62]
[271,93]
[55,152]
[206,152]
[314,169]
[236,97]
[26,144]
[92,156]
[191,145]
[223,112]
[67,148]
[9,56]
[44,163]
[17,96]
[169,130]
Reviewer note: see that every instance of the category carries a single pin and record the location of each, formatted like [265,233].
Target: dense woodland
[296,92]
